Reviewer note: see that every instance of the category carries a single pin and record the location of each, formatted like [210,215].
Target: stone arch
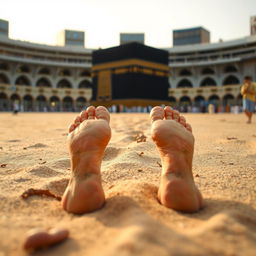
[207,71]
[64,83]
[80,103]
[214,99]
[200,104]
[65,72]
[41,103]
[22,80]
[208,81]
[185,100]
[185,83]
[4,79]
[44,71]
[85,73]
[228,100]
[15,97]
[85,84]
[185,72]
[15,100]
[28,103]
[3,95]
[24,69]
[55,103]
[230,80]
[184,103]
[199,100]
[172,101]
[3,102]
[4,66]
[230,68]
[240,100]
[67,104]
[43,82]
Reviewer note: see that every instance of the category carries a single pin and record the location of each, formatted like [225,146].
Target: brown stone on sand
[38,238]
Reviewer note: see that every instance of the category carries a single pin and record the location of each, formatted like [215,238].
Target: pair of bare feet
[88,137]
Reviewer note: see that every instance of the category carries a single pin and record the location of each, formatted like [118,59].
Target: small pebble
[39,238]
[231,138]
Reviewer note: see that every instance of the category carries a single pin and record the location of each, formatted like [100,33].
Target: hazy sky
[102,20]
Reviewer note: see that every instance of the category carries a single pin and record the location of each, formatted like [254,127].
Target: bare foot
[175,142]
[88,137]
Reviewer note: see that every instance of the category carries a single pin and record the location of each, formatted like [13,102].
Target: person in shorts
[248,91]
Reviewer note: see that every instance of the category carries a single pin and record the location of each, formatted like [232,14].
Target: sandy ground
[33,154]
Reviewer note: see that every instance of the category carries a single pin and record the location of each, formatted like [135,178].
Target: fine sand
[33,154]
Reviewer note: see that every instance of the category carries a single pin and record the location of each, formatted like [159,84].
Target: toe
[182,121]
[77,120]
[83,115]
[157,113]
[91,112]
[71,128]
[176,115]
[76,124]
[188,127]
[168,112]
[102,113]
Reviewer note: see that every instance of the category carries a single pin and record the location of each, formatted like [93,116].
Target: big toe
[157,113]
[102,113]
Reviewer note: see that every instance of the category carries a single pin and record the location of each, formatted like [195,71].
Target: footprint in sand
[228,222]
[61,163]
[42,171]
[13,140]
[144,235]
[231,227]
[22,180]
[38,145]
[111,153]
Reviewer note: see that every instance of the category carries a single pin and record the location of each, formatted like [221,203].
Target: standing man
[248,91]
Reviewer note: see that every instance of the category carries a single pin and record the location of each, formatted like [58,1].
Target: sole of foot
[88,137]
[175,142]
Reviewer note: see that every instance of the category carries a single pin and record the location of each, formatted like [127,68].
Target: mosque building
[70,77]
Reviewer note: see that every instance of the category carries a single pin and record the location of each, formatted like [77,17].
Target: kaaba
[131,74]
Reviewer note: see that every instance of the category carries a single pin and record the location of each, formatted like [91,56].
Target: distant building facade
[71,38]
[132,37]
[196,35]
[253,25]
[53,78]
[4,27]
